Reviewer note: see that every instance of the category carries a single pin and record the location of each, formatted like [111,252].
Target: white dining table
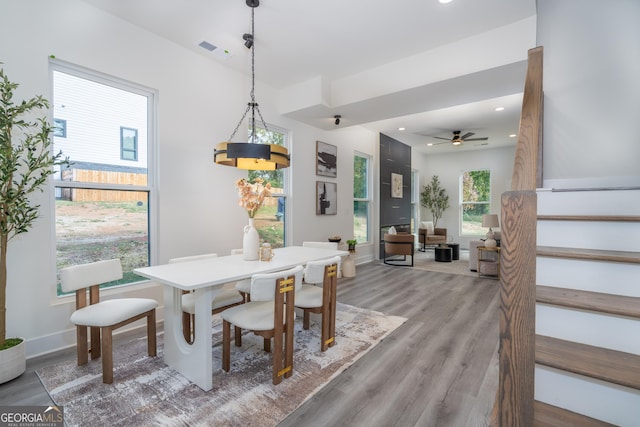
[205,277]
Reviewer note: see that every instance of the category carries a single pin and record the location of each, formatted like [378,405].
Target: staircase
[587,342]
[569,292]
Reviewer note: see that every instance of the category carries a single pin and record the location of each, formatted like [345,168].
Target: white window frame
[415,200]
[286,191]
[368,198]
[152,161]
[462,203]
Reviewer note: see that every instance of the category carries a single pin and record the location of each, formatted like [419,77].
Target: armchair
[398,244]
[428,235]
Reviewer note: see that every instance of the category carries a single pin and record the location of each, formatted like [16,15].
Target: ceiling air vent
[206,45]
[216,51]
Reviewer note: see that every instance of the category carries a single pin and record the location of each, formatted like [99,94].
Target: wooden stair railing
[514,401]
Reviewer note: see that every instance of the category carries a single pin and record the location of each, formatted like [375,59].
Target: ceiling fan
[457,140]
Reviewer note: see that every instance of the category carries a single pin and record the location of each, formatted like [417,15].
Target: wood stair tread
[589,254]
[545,415]
[604,218]
[593,301]
[604,364]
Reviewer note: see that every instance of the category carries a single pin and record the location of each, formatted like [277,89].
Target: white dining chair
[318,295]
[269,314]
[224,299]
[243,286]
[325,245]
[102,317]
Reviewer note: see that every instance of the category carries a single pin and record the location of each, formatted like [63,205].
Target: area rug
[426,261]
[146,392]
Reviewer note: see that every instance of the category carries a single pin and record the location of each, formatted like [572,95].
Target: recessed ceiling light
[429,144]
[513,135]
[401,129]
[499,108]
[444,1]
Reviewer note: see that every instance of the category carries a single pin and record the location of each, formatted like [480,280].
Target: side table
[455,250]
[349,265]
[442,253]
[488,267]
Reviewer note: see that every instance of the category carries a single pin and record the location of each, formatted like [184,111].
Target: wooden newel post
[517,308]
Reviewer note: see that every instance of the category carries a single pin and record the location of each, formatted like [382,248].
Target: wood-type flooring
[438,369]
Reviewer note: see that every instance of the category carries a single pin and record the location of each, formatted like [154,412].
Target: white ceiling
[300,40]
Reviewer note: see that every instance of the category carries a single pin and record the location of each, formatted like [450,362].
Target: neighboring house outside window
[361,197]
[475,201]
[102,208]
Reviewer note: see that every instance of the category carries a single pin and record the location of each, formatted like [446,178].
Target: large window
[102,204]
[476,201]
[415,200]
[361,197]
[270,219]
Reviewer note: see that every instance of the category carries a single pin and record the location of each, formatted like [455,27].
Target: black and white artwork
[326,159]
[326,198]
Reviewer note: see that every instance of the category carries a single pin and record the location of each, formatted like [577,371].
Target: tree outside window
[361,198]
[476,201]
[270,218]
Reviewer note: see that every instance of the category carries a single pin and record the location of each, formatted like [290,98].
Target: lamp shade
[244,155]
[490,220]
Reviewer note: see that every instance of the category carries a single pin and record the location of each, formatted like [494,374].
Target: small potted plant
[26,161]
[352,245]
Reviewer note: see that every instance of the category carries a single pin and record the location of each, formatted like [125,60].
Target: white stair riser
[596,276]
[586,327]
[614,236]
[589,203]
[597,399]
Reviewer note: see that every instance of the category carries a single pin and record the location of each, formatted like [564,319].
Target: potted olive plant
[434,198]
[26,161]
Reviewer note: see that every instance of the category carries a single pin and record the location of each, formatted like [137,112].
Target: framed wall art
[326,198]
[326,159]
[396,185]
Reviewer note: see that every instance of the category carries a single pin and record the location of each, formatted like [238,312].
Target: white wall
[200,101]
[306,225]
[592,95]
[449,168]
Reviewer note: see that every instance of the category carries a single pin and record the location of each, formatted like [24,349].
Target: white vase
[13,362]
[250,242]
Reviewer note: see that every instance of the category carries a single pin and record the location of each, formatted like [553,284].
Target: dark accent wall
[395,157]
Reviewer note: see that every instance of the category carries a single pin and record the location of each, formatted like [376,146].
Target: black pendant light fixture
[251,155]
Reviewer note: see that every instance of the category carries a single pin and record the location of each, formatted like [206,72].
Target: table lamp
[490,220]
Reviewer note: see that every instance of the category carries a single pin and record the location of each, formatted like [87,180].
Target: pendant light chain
[253,105]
